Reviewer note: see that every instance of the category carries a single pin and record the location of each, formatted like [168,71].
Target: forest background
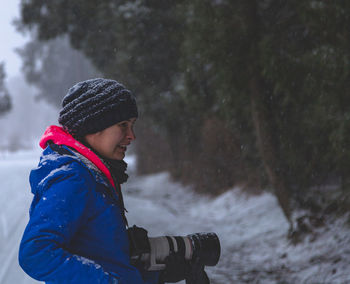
[231,93]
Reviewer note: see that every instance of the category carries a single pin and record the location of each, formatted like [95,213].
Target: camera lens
[206,248]
[152,252]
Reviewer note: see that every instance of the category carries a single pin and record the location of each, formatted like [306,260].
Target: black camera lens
[206,248]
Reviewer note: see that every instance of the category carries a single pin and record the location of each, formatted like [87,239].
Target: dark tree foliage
[5,99]
[235,92]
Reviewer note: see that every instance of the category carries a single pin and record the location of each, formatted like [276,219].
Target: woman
[77,227]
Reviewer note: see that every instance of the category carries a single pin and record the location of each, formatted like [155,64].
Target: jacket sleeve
[55,218]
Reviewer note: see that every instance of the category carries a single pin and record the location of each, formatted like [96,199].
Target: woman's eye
[124,124]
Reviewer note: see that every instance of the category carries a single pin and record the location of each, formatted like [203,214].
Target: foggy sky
[10,38]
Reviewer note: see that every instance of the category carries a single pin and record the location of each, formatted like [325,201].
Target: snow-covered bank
[252,230]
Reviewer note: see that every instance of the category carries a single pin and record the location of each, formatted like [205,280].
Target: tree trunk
[267,148]
[264,134]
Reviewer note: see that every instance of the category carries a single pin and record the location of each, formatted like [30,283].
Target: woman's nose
[131,134]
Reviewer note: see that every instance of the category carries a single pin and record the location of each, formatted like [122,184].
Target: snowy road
[252,230]
[14,202]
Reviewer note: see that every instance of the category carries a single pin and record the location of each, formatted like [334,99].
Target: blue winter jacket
[76,232]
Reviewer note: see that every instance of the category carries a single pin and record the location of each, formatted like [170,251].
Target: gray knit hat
[93,105]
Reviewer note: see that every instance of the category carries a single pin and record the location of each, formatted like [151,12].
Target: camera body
[151,252]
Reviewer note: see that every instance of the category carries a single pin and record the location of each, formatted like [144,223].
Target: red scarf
[59,136]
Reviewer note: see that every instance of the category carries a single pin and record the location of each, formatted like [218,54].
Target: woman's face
[113,141]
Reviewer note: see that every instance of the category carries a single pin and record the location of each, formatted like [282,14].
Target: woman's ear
[90,138]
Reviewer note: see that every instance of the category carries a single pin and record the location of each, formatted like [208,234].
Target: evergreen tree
[5,100]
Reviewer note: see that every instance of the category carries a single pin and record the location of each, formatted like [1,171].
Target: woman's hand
[176,268]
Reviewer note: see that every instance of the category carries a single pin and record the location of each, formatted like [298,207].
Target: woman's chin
[119,156]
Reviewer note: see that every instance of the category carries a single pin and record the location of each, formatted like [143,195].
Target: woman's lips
[122,147]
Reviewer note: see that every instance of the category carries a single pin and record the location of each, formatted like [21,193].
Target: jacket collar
[59,136]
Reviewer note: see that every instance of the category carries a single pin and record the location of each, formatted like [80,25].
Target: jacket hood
[52,167]
[59,136]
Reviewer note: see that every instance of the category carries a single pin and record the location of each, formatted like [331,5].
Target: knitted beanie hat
[93,105]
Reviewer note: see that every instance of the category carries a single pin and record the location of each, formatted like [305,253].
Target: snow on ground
[252,230]
[14,201]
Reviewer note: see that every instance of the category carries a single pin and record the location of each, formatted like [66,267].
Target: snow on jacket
[76,232]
